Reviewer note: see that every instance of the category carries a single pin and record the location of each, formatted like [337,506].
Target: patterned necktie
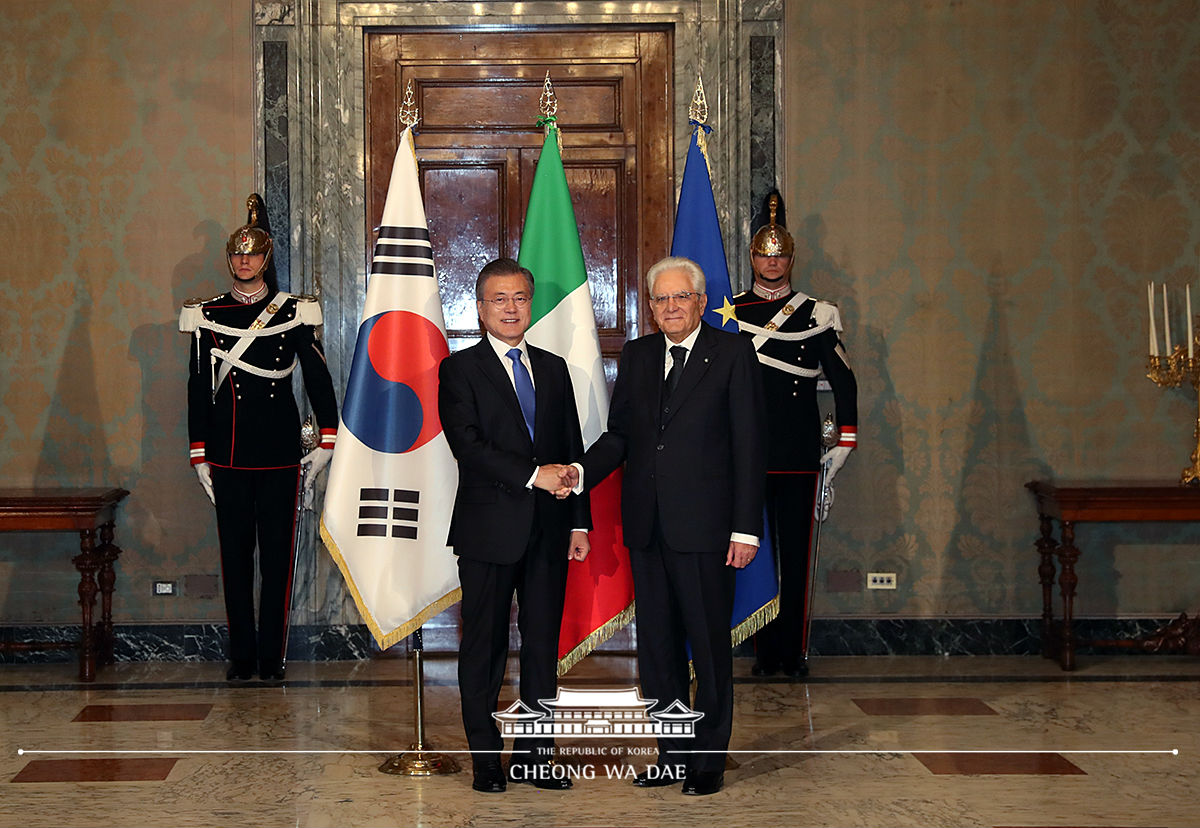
[524,386]
[678,355]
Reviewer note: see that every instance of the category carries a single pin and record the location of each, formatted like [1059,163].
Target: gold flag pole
[417,761]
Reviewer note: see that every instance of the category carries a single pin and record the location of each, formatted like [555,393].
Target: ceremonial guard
[798,338]
[244,430]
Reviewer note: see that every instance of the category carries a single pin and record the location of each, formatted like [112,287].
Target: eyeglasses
[680,298]
[520,300]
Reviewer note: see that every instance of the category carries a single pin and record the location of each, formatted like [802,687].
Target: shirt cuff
[739,537]
[578,486]
[532,477]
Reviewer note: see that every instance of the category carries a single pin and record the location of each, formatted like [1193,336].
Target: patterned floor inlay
[144,713]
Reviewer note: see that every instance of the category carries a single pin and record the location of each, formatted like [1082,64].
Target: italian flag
[599,599]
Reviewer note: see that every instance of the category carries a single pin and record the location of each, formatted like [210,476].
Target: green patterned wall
[125,154]
[985,188]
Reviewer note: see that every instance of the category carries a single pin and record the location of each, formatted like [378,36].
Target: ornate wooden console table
[88,512]
[1071,502]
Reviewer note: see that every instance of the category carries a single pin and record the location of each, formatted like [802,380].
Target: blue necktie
[524,386]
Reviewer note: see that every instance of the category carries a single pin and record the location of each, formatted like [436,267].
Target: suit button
[795,393]
[660,446]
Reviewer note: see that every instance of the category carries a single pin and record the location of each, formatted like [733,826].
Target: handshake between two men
[557,479]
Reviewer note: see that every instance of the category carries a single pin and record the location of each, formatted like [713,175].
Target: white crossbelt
[232,358]
[762,335]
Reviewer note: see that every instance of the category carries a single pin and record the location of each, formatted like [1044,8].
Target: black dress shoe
[796,669]
[488,776]
[539,774]
[271,673]
[239,673]
[703,783]
[764,668]
[660,777]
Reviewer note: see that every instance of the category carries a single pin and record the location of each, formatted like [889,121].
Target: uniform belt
[788,368]
[790,336]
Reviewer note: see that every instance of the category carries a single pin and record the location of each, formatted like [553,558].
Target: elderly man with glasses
[687,421]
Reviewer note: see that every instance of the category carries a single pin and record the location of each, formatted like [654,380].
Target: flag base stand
[417,761]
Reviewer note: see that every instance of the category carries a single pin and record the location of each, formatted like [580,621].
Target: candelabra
[1169,372]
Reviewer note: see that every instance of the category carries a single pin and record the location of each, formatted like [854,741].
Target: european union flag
[698,237]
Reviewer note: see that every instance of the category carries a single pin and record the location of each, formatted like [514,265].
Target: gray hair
[695,274]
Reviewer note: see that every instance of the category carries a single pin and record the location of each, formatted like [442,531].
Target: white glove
[204,472]
[313,464]
[824,503]
[833,460]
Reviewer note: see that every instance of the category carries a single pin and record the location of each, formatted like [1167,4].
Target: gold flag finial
[548,102]
[698,111]
[408,108]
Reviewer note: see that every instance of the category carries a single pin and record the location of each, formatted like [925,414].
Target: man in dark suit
[508,411]
[687,420]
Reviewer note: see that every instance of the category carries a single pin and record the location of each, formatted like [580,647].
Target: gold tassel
[598,636]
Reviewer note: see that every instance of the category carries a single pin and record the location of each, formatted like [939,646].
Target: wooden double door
[478,143]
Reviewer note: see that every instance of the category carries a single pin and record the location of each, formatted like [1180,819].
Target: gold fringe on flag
[755,621]
[598,636]
[385,640]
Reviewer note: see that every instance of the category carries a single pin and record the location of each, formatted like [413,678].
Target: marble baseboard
[343,642]
[190,642]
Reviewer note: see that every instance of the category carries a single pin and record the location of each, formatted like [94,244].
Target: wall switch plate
[165,588]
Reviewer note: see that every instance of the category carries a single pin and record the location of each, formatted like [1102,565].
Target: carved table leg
[1067,581]
[108,553]
[87,562]
[1045,547]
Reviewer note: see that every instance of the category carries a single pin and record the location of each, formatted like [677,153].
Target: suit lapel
[496,374]
[694,369]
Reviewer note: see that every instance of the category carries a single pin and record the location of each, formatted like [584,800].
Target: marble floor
[865,741]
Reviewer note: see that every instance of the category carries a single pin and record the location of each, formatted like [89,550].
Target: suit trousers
[256,505]
[791,497]
[686,597]
[539,580]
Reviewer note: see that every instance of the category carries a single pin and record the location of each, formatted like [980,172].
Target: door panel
[478,144]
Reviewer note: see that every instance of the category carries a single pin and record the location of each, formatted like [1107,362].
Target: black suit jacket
[697,461]
[494,512]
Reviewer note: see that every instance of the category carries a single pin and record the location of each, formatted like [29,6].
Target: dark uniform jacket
[809,341]
[252,421]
